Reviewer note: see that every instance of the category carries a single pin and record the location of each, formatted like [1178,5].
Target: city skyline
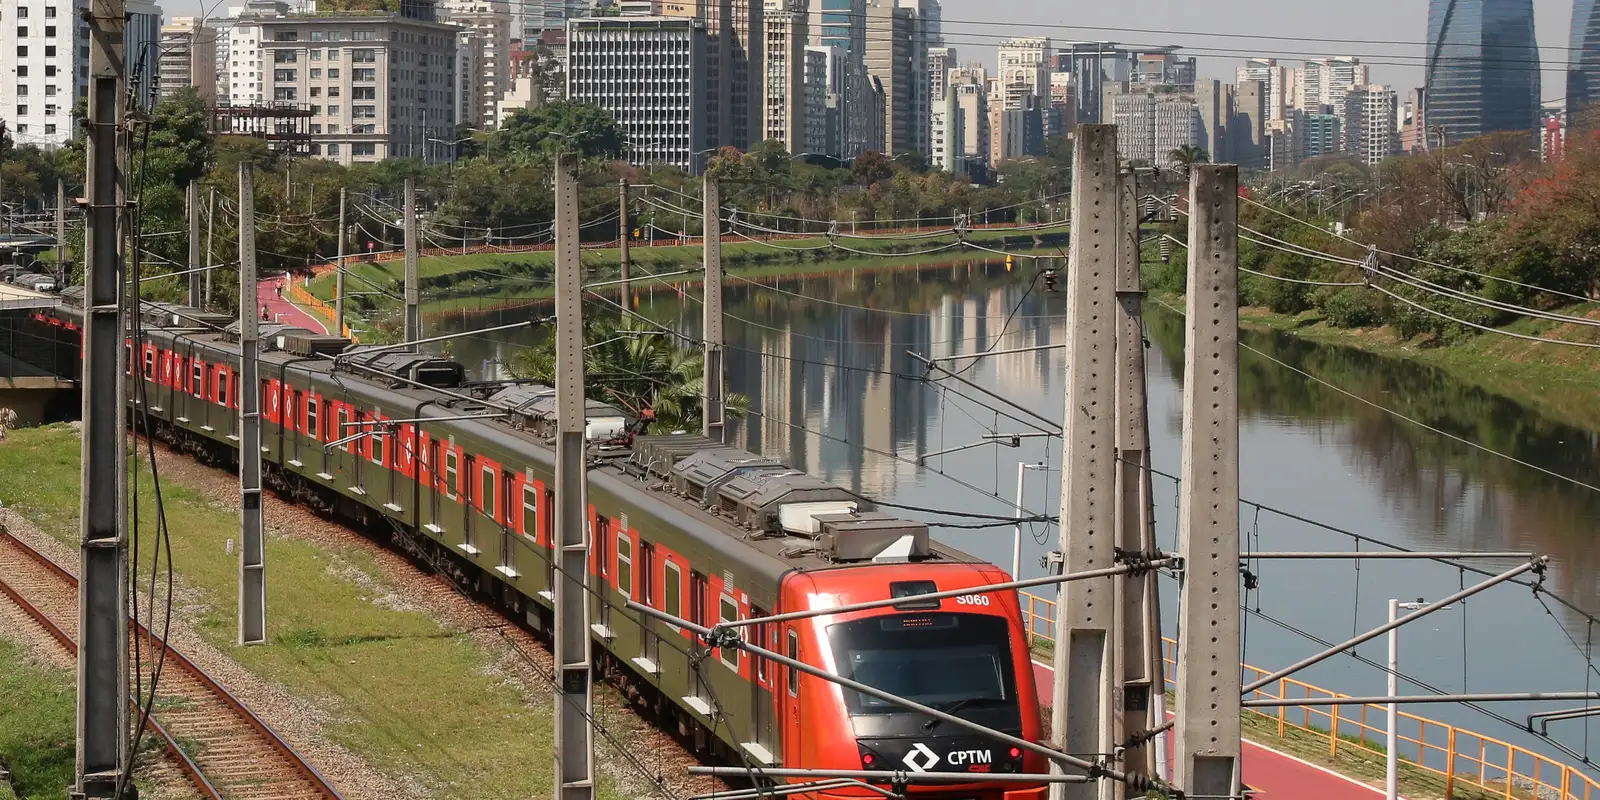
[1348,22]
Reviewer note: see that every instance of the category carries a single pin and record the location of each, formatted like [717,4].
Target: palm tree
[637,367]
[1187,156]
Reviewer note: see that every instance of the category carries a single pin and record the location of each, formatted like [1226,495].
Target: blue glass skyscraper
[1482,68]
[1583,60]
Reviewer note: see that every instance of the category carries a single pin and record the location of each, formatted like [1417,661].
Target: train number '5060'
[972,600]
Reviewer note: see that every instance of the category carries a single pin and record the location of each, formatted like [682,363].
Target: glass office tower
[1583,62]
[1482,68]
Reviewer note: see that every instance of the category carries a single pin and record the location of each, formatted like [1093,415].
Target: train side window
[343,429]
[469,543]
[624,564]
[728,611]
[222,389]
[647,579]
[486,496]
[198,387]
[149,364]
[794,653]
[430,458]
[672,590]
[380,443]
[530,511]
[233,389]
[450,473]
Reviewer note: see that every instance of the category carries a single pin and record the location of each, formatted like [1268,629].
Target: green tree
[871,167]
[637,367]
[543,131]
[1187,156]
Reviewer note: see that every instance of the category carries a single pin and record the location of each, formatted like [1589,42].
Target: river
[823,361]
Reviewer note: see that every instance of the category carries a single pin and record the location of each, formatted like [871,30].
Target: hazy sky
[1348,20]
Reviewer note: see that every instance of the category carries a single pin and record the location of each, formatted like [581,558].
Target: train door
[433,485]
[508,547]
[602,545]
[469,540]
[763,724]
[551,555]
[649,639]
[697,614]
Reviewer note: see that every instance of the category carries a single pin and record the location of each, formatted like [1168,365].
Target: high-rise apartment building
[468,87]
[947,131]
[840,23]
[1213,101]
[1482,68]
[1322,84]
[1583,61]
[1318,134]
[835,63]
[490,22]
[940,61]
[784,94]
[1272,76]
[1371,124]
[189,59]
[1247,128]
[814,83]
[1151,126]
[890,62]
[246,86]
[734,38]
[924,24]
[544,18]
[378,85]
[44,58]
[650,75]
[1024,63]
[970,84]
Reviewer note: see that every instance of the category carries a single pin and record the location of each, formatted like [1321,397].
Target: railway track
[227,752]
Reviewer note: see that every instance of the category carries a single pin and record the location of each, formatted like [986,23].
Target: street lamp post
[452,145]
[1392,756]
[1016,533]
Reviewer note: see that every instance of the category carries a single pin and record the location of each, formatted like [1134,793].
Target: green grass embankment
[37,707]
[1559,381]
[449,283]
[420,702]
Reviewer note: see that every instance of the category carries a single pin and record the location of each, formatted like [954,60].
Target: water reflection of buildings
[844,372]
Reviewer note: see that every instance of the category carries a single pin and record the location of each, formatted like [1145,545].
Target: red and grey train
[703,531]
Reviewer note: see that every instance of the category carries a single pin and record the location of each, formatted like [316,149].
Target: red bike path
[1269,773]
[279,309]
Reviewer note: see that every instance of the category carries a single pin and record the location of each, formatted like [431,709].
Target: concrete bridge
[39,362]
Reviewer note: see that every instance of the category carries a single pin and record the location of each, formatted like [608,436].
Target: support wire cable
[1481,327]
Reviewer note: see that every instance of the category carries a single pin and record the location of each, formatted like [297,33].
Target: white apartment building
[1371,123]
[1024,69]
[378,86]
[469,89]
[490,20]
[44,64]
[1150,127]
[244,72]
[189,59]
[649,74]
[946,129]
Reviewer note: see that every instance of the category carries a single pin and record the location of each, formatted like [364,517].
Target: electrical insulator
[1166,251]
[1050,279]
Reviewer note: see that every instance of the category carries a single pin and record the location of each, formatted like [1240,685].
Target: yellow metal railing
[1461,760]
[301,297]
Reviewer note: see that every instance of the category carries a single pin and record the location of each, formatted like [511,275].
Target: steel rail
[321,786]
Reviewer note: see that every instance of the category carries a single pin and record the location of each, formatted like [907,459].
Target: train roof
[783,518]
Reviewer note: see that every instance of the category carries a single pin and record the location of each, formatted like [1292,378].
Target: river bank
[478,281]
[1561,382]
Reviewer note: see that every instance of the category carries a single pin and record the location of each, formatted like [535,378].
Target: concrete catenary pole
[1138,632]
[252,550]
[62,272]
[102,714]
[711,222]
[574,749]
[338,271]
[1206,758]
[1082,694]
[196,278]
[413,323]
[211,232]
[623,236]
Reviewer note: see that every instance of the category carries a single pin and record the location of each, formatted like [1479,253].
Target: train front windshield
[940,660]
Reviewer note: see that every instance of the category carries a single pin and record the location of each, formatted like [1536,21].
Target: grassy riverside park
[420,702]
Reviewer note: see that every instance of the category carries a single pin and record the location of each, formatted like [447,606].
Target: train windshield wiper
[953,708]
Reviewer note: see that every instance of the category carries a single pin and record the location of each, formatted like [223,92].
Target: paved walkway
[1270,773]
[281,310]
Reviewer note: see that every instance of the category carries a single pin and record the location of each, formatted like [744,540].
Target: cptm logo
[922,758]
